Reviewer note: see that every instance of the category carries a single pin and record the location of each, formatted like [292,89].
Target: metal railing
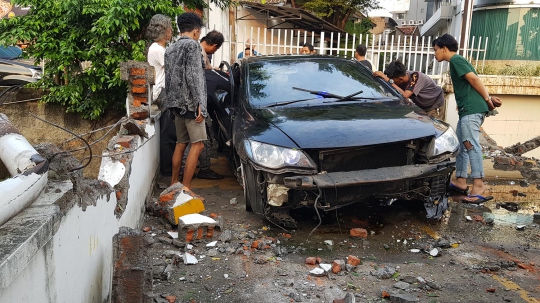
[415,52]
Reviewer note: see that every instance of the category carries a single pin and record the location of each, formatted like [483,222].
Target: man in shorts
[185,86]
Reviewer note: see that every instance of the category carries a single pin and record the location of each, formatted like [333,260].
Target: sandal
[455,189]
[480,199]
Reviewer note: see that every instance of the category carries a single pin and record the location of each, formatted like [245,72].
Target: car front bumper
[369,176]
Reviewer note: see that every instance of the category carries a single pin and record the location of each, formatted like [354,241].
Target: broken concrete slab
[191,223]
[175,202]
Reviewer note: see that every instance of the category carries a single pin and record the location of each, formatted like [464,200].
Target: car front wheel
[253,189]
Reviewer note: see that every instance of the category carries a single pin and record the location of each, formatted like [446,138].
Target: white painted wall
[76,265]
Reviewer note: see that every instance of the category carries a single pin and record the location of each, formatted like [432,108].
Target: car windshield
[277,81]
[10,52]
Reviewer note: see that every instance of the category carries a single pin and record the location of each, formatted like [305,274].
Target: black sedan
[322,132]
[13,70]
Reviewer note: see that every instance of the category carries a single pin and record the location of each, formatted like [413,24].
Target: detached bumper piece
[369,176]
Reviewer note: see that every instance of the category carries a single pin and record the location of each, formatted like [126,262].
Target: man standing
[360,55]
[185,87]
[420,88]
[474,102]
[210,44]
[251,45]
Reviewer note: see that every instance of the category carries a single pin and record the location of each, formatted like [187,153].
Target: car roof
[291,56]
[10,52]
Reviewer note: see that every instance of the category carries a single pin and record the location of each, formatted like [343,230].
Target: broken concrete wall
[517,120]
[49,254]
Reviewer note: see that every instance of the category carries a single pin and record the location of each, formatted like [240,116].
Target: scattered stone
[233,201]
[386,246]
[296,297]
[414,250]
[354,261]
[358,233]
[349,267]
[329,242]
[384,273]
[520,227]
[190,259]
[420,280]
[401,285]
[408,279]
[226,236]
[433,285]
[468,218]
[434,252]
[385,295]
[492,289]
[318,272]
[173,234]
[211,244]
[212,252]
[403,298]
[147,229]
[489,221]
[349,298]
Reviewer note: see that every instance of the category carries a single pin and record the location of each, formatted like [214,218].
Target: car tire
[252,190]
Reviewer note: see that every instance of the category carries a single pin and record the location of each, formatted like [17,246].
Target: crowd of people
[186,80]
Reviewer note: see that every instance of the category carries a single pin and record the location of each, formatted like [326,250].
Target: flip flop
[481,199]
[456,189]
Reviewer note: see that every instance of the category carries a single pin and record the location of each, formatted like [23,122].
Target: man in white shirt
[160,31]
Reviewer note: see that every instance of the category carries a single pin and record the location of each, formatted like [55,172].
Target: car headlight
[445,143]
[277,157]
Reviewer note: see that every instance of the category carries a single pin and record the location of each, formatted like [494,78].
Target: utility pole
[466,26]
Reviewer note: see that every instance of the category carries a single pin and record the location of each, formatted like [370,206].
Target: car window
[272,81]
[10,52]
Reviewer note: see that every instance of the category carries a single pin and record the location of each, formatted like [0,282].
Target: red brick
[167,197]
[138,81]
[354,261]
[255,244]
[319,260]
[358,233]
[118,195]
[311,261]
[138,101]
[336,267]
[138,71]
[138,90]
[171,299]
[125,141]
[140,115]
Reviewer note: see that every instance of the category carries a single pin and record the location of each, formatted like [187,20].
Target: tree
[337,12]
[65,33]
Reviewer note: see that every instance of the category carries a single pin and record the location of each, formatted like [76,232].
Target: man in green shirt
[473,101]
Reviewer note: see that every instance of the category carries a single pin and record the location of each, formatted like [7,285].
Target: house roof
[407,29]
[298,18]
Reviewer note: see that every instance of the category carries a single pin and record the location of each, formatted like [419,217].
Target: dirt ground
[484,259]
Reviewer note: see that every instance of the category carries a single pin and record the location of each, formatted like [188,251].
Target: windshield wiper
[288,102]
[365,98]
[325,94]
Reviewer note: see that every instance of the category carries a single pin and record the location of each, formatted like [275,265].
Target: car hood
[342,125]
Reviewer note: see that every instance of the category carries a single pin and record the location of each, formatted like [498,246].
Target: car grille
[365,157]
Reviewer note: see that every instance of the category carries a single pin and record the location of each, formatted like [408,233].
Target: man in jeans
[474,102]
[185,87]
[420,88]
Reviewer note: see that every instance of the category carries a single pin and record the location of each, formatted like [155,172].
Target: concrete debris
[354,261]
[434,252]
[175,202]
[190,259]
[358,233]
[211,244]
[414,250]
[173,234]
[225,236]
[329,242]
[233,201]
[326,267]
[384,273]
[318,272]
[521,227]
[189,224]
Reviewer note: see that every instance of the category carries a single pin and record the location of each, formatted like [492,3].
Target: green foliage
[523,70]
[361,28]
[65,33]
[338,12]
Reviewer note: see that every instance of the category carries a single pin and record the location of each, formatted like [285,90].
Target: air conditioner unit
[411,22]
[420,22]
[403,22]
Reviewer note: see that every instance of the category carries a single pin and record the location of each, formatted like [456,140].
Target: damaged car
[322,132]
